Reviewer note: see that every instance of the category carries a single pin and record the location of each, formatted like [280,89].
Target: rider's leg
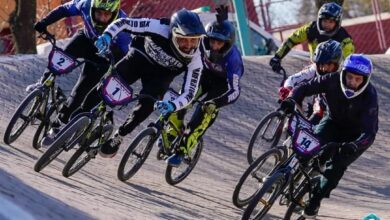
[330,179]
[177,118]
[155,82]
[337,163]
[83,47]
[197,127]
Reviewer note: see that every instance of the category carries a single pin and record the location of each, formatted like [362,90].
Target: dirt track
[96,193]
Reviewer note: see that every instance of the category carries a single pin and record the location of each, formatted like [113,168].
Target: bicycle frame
[294,166]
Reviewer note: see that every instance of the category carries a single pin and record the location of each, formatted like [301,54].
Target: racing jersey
[230,69]
[302,76]
[359,114]
[83,8]
[153,41]
[309,33]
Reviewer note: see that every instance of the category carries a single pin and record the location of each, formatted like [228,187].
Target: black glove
[287,105]
[348,148]
[332,146]
[275,63]
[40,27]
[222,13]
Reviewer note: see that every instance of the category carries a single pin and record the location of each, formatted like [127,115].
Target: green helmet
[107,5]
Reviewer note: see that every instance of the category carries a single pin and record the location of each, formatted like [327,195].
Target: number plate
[60,62]
[115,92]
[303,123]
[306,143]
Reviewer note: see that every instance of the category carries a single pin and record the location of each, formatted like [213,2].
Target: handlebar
[48,36]
[283,72]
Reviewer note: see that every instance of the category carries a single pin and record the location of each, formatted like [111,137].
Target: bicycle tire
[10,136]
[72,128]
[277,178]
[293,207]
[141,157]
[39,134]
[69,169]
[169,177]
[275,136]
[238,201]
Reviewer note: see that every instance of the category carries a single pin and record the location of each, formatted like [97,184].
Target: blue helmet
[328,52]
[357,64]
[329,11]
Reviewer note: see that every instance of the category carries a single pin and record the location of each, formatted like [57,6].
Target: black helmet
[330,11]
[185,24]
[223,31]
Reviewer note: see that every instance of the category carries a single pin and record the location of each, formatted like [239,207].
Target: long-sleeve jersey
[230,68]
[359,114]
[154,43]
[82,8]
[309,33]
[302,76]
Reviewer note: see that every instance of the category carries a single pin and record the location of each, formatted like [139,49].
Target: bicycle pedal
[93,152]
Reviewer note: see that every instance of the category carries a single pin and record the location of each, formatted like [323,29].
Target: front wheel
[67,138]
[88,151]
[136,154]
[295,210]
[174,175]
[255,175]
[265,197]
[24,114]
[44,126]
[266,135]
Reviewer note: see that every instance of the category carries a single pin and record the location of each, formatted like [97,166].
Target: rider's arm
[145,26]
[315,86]
[347,46]
[123,39]
[235,69]
[191,82]
[369,121]
[297,37]
[65,10]
[302,76]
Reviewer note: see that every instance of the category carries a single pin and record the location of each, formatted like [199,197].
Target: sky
[287,8]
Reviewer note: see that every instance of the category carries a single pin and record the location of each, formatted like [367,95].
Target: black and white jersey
[153,42]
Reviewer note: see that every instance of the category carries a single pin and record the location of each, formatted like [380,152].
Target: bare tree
[21,23]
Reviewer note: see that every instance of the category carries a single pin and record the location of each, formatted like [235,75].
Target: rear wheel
[69,136]
[265,197]
[255,175]
[174,175]
[24,114]
[266,135]
[136,154]
[87,152]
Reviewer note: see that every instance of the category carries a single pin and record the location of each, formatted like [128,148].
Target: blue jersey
[230,67]
[83,8]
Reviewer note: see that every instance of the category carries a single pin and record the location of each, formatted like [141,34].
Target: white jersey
[302,76]
[156,47]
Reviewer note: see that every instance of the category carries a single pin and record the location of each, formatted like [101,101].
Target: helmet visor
[186,45]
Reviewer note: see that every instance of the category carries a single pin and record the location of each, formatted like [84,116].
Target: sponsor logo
[193,83]
[160,56]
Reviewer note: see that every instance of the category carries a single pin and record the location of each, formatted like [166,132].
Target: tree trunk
[22,26]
